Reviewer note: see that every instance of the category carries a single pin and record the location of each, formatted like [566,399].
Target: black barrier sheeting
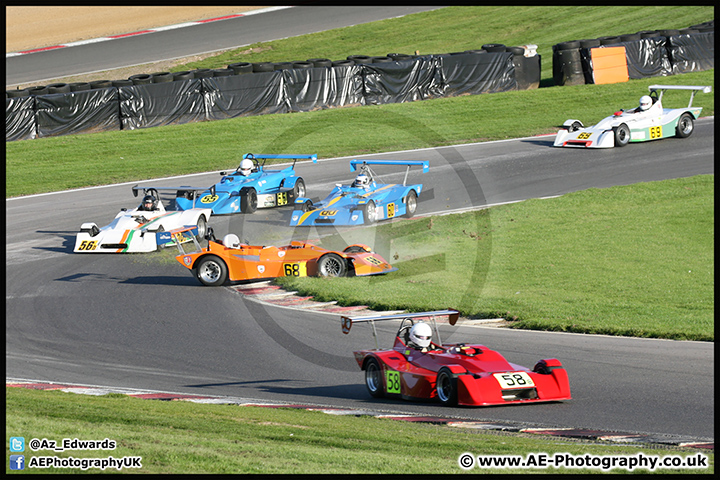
[238,95]
[476,73]
[20,123]
[402,81]
[692,52]
[647,58]
[318,88]
[87,111]
[158,104]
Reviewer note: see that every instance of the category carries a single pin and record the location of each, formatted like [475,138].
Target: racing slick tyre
[374,379]
[307,206]
[211,271]
[201,227]
[446,387]
[332,265]
[622,135]
[410,204]
[575,127]
[248,201]
[299,188]
[370,213]
[685,126]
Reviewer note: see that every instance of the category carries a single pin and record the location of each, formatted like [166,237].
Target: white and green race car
[646,122]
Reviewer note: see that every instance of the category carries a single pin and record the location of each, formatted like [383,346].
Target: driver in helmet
[246,167]
[645,107]
[420,337]
[149,204]
[361,181]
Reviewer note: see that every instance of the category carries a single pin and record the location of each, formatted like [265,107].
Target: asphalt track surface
[142,321]
[193,40]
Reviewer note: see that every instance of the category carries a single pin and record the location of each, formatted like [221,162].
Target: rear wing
[178,234]
[146,190]
[694,88]
[362,164]
[347,322]
[295,157]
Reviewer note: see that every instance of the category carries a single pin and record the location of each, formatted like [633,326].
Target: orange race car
[231,261]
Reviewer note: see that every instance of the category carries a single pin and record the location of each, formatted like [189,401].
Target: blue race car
[249,187]
[364,201]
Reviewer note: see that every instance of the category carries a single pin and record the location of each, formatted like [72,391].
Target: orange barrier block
[609,65]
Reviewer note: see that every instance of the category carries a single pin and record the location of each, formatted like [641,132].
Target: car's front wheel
[410,203]
[446,387]
[211,271]
[332,265]
[622,135]
[248,201]
[685,126]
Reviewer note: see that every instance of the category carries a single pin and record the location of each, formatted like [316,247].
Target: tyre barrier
[162,77]
[263,67]
[58,88]
[241,67]
[184,75]
[494,47]
[39,90]
[360,59]
[302,64]
[381,59]
[96,84]
[141,79]
[282,66]
[343,63]
[320,62]
[223,72]
[79,86]
[17,93]
[202,73]
[122,83]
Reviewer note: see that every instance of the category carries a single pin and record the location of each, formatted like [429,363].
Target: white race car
[649,121]
[142,229]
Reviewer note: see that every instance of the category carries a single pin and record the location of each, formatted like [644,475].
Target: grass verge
[186,438]
[632,260]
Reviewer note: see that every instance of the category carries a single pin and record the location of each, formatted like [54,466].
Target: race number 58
[514,380]
[392,381]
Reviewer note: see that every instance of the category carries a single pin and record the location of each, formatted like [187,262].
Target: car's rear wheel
[446,387]
[299,188]
[332,265]
[248,201]
[374,378]
[685,126]
[410,203]
[622,135]
[201,227]
[211,271]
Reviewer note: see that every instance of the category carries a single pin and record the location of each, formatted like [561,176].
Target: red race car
[416,367]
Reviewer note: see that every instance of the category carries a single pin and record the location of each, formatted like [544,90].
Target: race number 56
[88,245]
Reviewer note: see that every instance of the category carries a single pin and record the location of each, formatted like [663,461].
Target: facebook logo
[17,444]
[17,462]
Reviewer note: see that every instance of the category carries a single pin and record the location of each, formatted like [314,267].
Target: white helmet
[645,102]
[231,241]
[420,334]
[361,180]
[246,167]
